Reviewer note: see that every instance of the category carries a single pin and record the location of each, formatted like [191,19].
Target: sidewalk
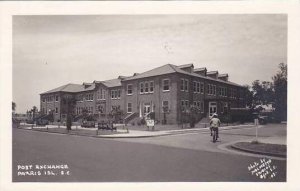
[141,134]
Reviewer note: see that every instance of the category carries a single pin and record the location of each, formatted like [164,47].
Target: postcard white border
[8,9]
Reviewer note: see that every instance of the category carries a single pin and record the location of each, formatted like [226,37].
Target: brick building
[165,90]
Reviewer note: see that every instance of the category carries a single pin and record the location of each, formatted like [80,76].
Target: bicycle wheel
[214,136]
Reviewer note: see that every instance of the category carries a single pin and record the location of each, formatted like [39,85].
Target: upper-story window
[197,87]
[115,94]
[166,85]
[184,85]
[101,94]
[201,87]
[211,90]
[129,89]
[151,87]
[223,91]
[56,98]
[89,97]
[142,87]
[146,87]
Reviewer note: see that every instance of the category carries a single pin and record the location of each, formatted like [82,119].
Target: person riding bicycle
[215,123]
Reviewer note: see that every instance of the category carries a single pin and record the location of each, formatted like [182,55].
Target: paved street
[184,158]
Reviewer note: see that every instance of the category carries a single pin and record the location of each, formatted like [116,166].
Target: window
[166,85]
[165,106]
[89,97]
[151,87]
[182,85]
[101,94]
[100,109]
[115,94]
[129,89]
[146,87]
[129,107]
[56,110]
[43,99]
[112,94]
[56,98]
[119,93]
[197,87]
[141,87]
[186,85]
[201,88]
[211,90]
[187,105]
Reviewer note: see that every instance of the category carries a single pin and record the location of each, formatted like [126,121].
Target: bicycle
[214,134]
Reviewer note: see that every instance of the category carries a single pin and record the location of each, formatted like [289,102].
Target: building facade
[166,91]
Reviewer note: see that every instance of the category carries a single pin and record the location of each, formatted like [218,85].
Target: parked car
[263,119]
[42,122]
[88,124]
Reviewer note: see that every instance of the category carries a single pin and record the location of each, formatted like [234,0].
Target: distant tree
[34,110]
[248,96]
[69,103]
[263,92]
[280,87]
[14,106]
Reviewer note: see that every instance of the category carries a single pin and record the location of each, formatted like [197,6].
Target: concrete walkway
[141,134]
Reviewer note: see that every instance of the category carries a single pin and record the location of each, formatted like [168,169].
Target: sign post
[256,126]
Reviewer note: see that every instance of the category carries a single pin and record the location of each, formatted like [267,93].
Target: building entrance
[147,109]
[212,108]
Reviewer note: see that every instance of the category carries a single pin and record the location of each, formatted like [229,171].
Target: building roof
[212,72]
[199,69]
[111,83]
[67,88]
[169,69]
[222,75]
[186,66]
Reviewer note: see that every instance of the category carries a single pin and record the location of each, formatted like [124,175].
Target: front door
[212,108]
[147,109]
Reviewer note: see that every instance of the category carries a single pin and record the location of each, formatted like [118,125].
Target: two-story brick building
[164,90]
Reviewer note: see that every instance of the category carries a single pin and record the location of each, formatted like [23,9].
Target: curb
[258,152]
[163,133]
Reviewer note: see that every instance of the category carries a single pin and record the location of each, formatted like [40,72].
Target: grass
[262,147]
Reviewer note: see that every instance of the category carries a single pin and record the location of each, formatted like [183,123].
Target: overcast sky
[50,51]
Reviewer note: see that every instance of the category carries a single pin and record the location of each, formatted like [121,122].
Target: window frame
[163,85]
[129,85]
[129,107]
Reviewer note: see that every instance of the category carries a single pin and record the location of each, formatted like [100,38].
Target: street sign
[150,122]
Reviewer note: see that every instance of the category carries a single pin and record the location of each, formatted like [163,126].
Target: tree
[280,87]
[14,105]
[34,110]
[69,103]
[263,92]
[248,96]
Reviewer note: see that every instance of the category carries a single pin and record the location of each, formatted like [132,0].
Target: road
[180,158]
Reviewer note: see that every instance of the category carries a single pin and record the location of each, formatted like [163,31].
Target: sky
[50,51]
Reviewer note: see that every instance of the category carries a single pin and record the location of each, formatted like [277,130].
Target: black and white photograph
[149,98]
